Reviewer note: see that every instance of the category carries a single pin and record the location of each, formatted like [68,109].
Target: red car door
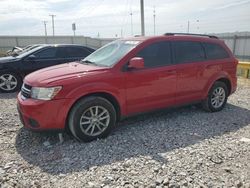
[154,86]
[189,56]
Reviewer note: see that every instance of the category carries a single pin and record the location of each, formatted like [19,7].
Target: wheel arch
[12,71]
[222,78]
[227,82]
[108,96]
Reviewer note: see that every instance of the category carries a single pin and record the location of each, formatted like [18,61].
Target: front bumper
[41,115]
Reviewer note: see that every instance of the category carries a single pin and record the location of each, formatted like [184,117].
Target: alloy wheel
[8,82]
[94,120]
[218,97]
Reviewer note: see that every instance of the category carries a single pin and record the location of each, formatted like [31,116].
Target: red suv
[127,77]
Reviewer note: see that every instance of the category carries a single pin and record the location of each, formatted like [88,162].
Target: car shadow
[8,95]
[144,135]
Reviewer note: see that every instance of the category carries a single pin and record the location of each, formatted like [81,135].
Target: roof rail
[192,34]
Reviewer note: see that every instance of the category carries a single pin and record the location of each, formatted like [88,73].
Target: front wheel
[217,97]
[92,118]
[9,82]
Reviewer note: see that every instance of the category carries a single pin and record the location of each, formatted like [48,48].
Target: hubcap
[8,82]
[94,120]
[218,97]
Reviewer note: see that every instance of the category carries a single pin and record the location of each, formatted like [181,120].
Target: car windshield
[29,52]
[111,53]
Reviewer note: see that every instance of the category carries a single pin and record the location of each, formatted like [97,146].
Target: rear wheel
[217,97]
[10,82]
[92,118]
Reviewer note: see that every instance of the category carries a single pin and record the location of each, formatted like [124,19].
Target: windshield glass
[111,53]
[29,52]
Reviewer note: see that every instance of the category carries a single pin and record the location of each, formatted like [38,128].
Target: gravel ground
[184,147]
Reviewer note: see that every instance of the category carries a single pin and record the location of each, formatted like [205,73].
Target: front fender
[95,88]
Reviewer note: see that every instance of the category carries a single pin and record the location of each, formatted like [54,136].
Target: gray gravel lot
[184,147]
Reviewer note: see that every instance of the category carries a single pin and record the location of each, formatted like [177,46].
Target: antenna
[154,19]
[131,21]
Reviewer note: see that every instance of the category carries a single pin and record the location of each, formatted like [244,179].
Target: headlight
[44,93]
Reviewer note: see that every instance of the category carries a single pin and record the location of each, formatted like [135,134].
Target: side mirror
[31,57]
[136,63]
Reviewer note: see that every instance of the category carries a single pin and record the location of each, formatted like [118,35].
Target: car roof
[179,36]
[65,45]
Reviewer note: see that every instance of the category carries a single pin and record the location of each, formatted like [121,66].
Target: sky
[111,18]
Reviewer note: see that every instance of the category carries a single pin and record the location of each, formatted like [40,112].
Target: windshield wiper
[93,63]
[89,62]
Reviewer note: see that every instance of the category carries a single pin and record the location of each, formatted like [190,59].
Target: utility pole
[74,28]
[53,24]
[142,19]
[154,19]
[121,33]
[131,23]
[197,21]
[45,27]
[188,26]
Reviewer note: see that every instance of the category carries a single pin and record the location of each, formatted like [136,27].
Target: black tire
[207,103]
[16,77]
[82,107]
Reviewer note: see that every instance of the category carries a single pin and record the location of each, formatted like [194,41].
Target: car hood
[8,59]
[60,72]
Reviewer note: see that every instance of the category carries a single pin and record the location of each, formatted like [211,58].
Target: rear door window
[188,52]
[156,54]
[49,53]
[72,52]
[215,51]
[77,52]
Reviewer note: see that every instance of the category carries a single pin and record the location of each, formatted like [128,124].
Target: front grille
[26,91]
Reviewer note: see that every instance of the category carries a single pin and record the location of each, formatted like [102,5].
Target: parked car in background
[14,69]
[127,77]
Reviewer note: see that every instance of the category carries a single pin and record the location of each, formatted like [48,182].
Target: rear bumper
[38,115]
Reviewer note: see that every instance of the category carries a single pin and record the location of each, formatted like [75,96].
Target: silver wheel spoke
[2,84]
[92,130]
[101,114]
[86,117]
[105,117]
[85,122]
[91,112]
[2,78]
[13,83]
[96,110]
[98,126]
[10,77]
[102,123]
[90,125]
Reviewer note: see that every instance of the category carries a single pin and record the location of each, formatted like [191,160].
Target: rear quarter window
[215,51]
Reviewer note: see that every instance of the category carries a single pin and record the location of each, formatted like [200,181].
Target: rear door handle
[171,71]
